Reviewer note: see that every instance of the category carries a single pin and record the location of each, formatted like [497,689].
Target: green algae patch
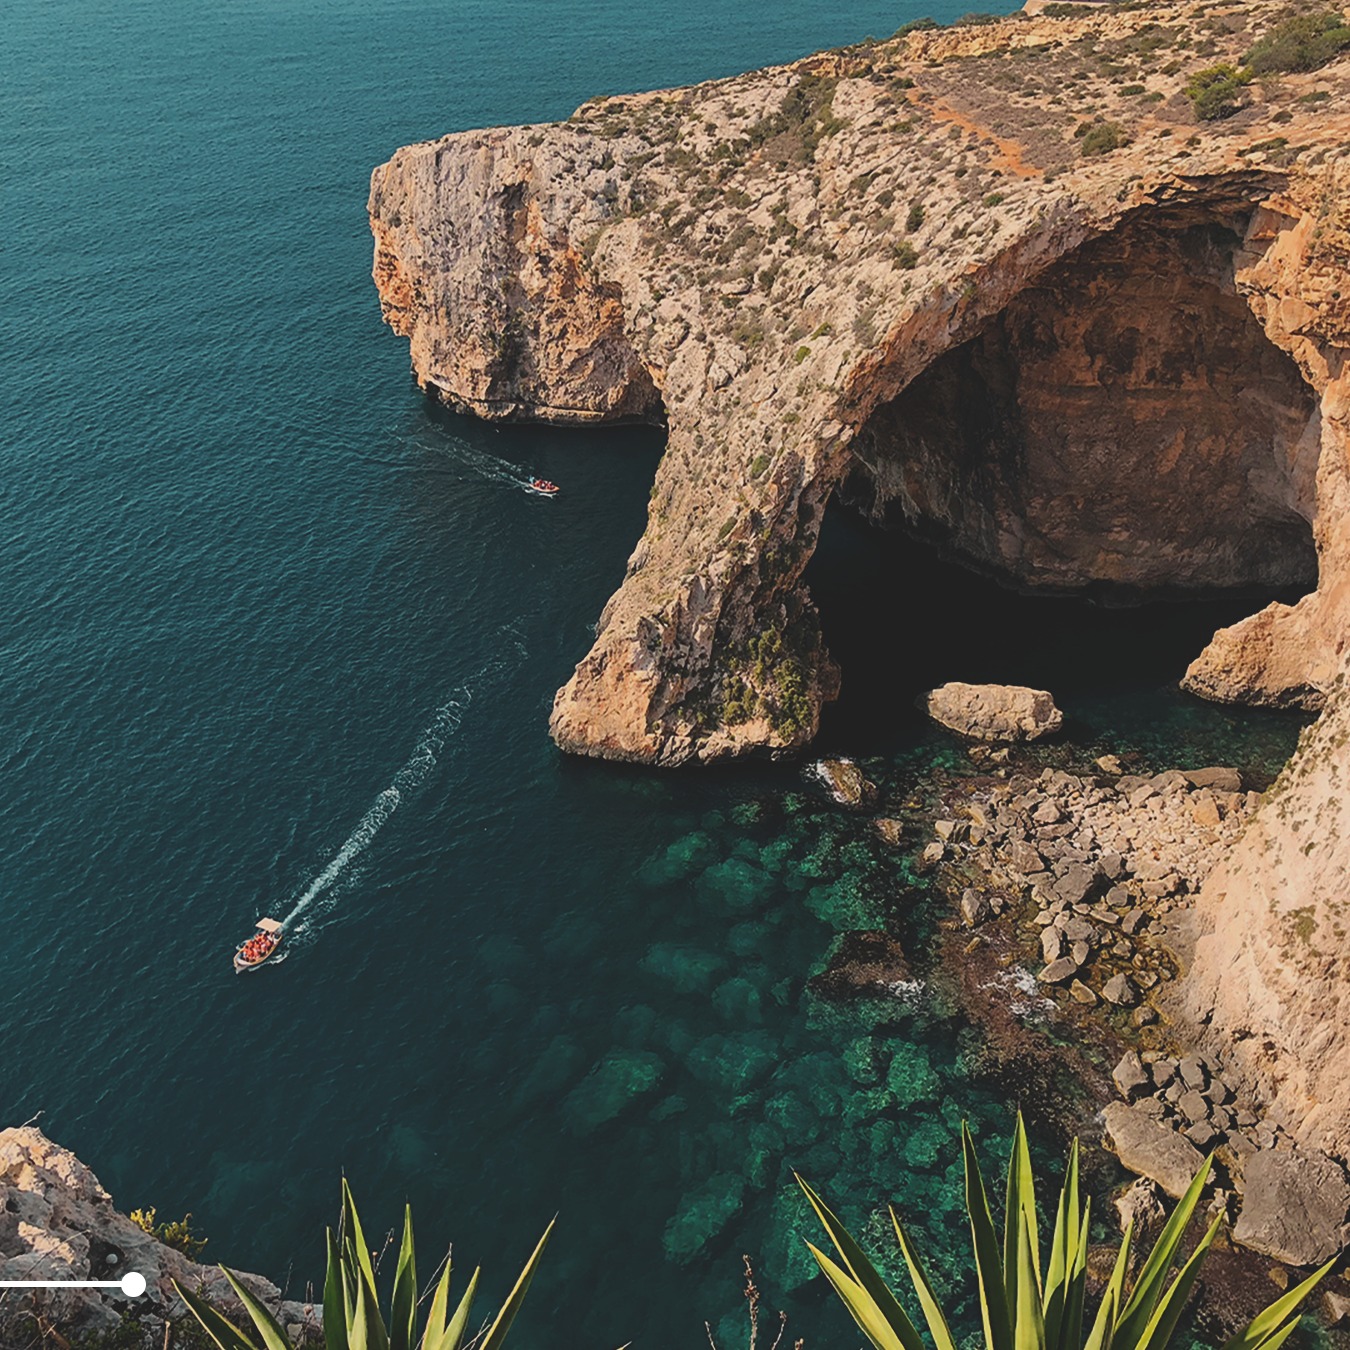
[614,1084]
[704,1215]
[688,970]
[911,1078]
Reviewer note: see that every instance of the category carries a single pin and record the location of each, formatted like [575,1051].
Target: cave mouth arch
[1122,434]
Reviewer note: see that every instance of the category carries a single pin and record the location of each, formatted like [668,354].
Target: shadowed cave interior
[1119,464]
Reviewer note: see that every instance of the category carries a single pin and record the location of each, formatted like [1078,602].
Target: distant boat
[260,948]
[543,487]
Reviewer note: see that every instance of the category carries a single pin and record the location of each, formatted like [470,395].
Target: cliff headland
[1067,294]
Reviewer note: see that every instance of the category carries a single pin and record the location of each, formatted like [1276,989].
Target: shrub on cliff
[1301,43]
[1030,1305]
[1100,138]
[1216,91]
[351,1313]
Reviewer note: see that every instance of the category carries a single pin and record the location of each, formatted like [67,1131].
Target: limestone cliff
[893,271]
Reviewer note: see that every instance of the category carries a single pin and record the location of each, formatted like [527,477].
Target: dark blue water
[275,633]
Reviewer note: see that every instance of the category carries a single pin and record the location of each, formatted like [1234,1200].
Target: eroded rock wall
[774,259]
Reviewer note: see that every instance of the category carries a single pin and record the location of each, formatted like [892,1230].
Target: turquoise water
[278,635]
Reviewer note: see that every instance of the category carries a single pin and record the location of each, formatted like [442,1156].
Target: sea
[280,638]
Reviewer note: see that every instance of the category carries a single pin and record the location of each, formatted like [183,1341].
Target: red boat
[542,485]
[260,948]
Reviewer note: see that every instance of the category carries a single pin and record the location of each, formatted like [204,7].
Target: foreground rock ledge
[58,1223]
[888,272]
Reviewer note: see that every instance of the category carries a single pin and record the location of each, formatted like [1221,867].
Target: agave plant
[351,1312]
[1029,1306]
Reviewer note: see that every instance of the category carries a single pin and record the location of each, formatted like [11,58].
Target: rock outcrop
[891,272]
[997,286]
[1268,983]
[58,1223]
[994,712]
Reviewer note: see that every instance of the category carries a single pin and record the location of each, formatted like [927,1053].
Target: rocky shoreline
[1089,883]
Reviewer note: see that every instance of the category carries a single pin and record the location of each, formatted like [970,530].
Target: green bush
[1302,43]
[1216,91]
[1100,138]
[906,255]
[916,26]
[915,217]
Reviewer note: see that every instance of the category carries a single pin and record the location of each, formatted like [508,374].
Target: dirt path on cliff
[1009,155]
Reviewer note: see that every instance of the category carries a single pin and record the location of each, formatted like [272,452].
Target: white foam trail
[482,463]
[444,723]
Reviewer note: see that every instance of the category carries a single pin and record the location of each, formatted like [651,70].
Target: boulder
[845,781]
[57,1222]
[1120,991]
[1141,1206]
[1151,1149]
[1223,780]
[974,907]
[1295,1204]
[889,829]
[1130,1076]
[1058,971]
[994,712]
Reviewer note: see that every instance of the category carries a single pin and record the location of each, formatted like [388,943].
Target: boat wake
[318,897]
[478,462]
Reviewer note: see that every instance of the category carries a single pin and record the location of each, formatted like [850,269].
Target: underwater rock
[688,970]
[845,781]
[684,858]
[560,1064]
[734,1062]
[738,1001]
[617,1081]
[736,885]
[994,712]
[870,962]
[703,1215]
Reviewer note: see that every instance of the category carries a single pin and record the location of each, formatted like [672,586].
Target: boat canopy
[268,926]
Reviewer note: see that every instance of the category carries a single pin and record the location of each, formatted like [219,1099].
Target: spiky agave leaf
[502,1322]
[1278,1319]
[864,1274]
[403,1309]
[1138,1310]
[932,1309]
[225,1334]
[458,1324]
[861,1305]
[1019,1213]
[994,1309]
[273,1337]
[337,1313]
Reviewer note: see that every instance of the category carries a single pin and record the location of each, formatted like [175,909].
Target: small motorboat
[260,948]
[544,487]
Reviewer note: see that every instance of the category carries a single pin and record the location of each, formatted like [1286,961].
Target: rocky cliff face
[58,1223]
[891,271]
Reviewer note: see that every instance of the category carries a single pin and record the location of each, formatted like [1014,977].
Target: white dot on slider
[133,1284]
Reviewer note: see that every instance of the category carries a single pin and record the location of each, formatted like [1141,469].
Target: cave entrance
[1121,435]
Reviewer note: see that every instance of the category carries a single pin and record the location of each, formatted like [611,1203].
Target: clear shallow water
[253,585]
